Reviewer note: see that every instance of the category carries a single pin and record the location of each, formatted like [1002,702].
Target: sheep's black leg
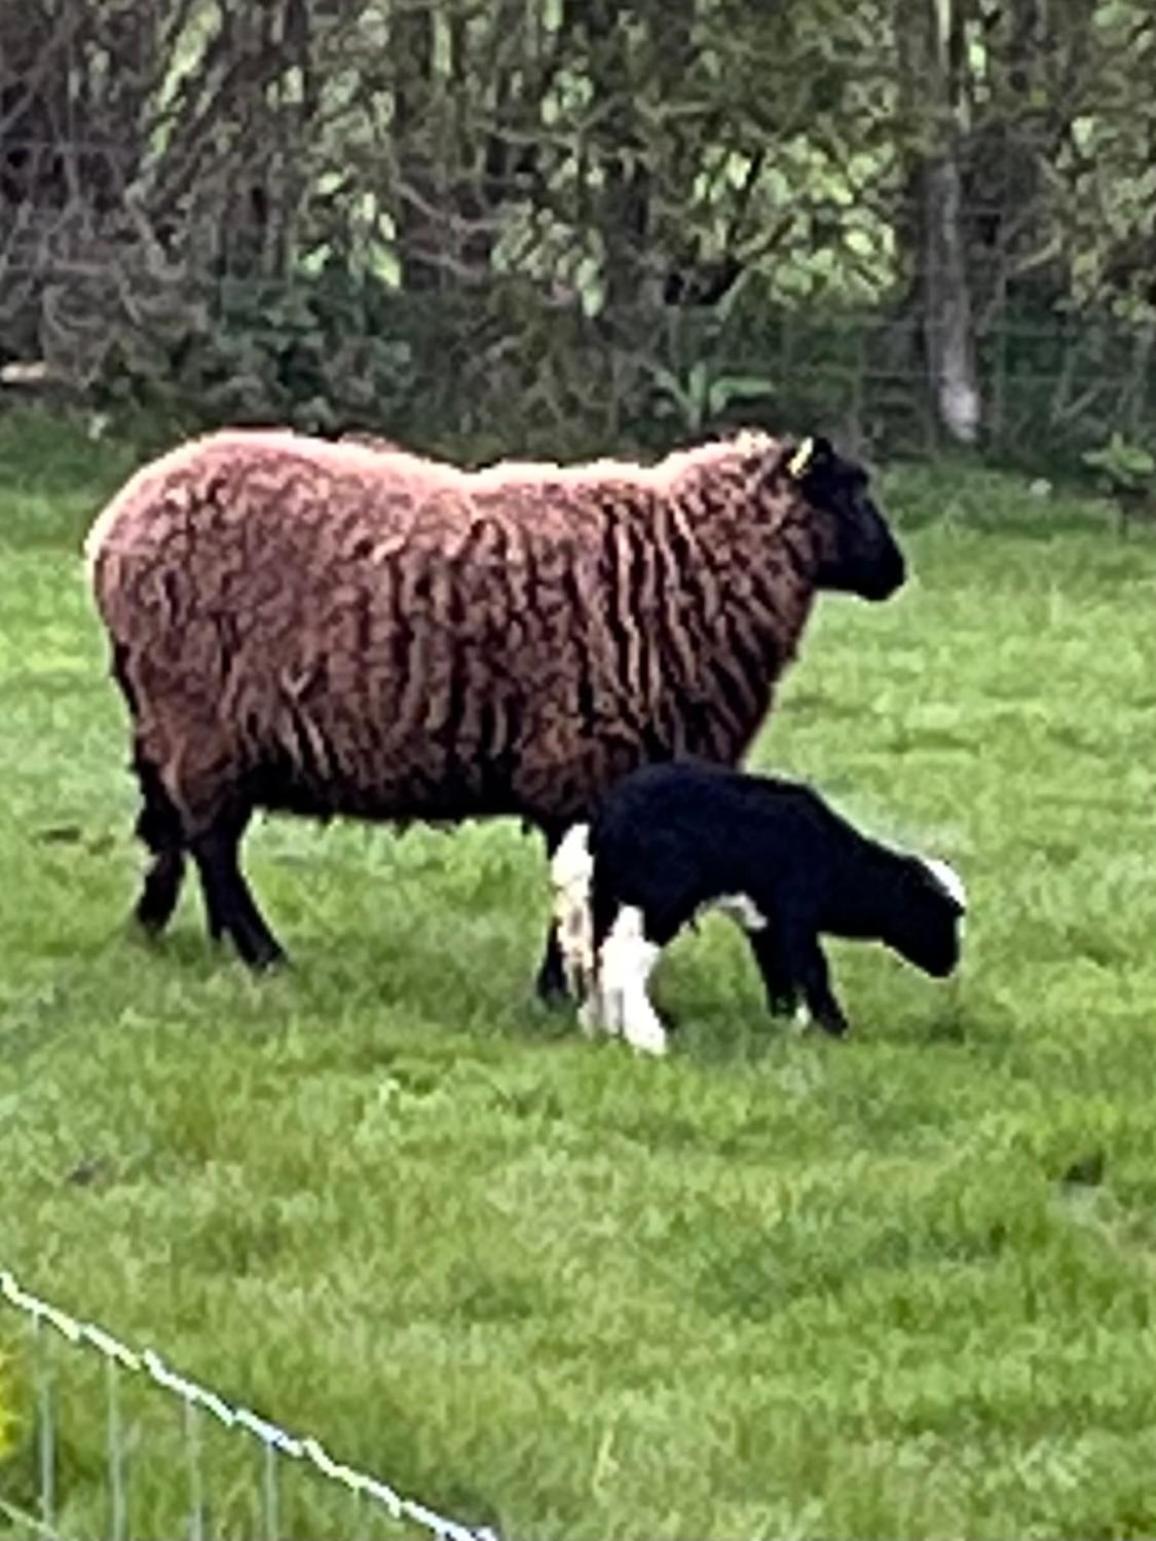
[229,904]
[158,827]
[551,986]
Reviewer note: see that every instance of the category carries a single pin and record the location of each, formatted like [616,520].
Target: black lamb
[674,839]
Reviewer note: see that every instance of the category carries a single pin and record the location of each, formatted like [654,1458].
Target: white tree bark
[930,38]
[947,315]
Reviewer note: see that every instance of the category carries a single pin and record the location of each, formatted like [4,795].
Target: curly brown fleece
[337,628]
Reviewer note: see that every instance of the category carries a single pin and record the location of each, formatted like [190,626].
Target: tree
[931,44]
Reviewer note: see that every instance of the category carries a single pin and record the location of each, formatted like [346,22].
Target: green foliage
[1128,474]
[701,397]
[7,1411]
[1127,467]
[775,1286]
[320,353]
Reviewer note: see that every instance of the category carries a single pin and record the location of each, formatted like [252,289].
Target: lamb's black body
[674,838]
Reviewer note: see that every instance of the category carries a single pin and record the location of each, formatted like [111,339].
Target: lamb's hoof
[266,960]
[653,1045]
[834,1027]
[647,1037]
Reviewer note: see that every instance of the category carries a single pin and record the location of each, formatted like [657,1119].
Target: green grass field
[774,1287]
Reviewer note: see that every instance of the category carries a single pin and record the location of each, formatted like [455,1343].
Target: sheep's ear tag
[801,459]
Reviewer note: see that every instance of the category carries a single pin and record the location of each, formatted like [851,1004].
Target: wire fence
[128,1448]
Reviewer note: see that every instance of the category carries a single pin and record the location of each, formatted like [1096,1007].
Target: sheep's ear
[814,453]
[801,459]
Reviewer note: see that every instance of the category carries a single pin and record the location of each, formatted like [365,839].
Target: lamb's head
[857,552]
[929,915]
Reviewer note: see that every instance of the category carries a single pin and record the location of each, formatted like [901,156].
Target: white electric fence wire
[276,1440]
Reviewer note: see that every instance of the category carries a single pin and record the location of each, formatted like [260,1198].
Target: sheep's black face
[927,928]
[858,553]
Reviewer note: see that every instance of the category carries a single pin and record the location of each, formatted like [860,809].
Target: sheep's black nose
[890,576]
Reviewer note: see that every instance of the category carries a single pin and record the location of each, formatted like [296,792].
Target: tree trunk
[947,320]
[932,60]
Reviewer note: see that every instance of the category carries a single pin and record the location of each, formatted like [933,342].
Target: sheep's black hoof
[160,891]
[552,995]
[150,918]
[149,921]
[550,986]
[139,933]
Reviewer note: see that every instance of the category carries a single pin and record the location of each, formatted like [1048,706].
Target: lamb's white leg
[601,1007]
[624,968]
[571,871]
[602,1010]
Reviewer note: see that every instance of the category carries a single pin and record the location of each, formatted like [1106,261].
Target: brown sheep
[333,629]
